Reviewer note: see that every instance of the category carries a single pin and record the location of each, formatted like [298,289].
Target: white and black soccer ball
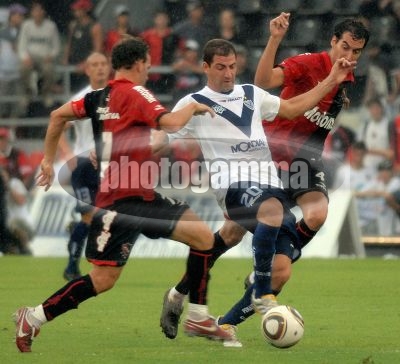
[282,326]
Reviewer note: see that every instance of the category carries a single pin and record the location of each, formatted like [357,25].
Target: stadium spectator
[10,83]
[14,160]
[85,35]
[355,176]
[163,47]
[228,27]
[194,27]
[243,74]
[380,191]
[84,176]
[336,147]
[188,70]
[267,216]
[38,49]
[376,132]
[370,9]
[122,26]
[124,211]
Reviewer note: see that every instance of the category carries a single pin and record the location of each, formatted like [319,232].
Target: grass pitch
[350,308]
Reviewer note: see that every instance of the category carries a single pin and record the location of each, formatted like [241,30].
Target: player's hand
[279,25]
[341,69]
[93,158]
[202,109]
[46,175]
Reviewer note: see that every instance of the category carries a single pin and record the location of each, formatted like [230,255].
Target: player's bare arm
[266,75]
[291,108]
[58,120]
[173,121]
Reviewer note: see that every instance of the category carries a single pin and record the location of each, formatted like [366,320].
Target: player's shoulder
[144,92]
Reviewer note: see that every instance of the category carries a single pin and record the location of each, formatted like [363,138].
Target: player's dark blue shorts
[113,232]
[84,181]
[243,200]
[304,176]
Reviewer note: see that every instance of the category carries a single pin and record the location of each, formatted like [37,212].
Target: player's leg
[314,206]
[108,250]
[83,180]
[229,235]
[191,230]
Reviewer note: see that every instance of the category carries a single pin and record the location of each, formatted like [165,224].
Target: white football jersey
[233,142]
[84,140]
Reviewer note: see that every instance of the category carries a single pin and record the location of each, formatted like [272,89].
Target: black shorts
[304,176]
[84,181]
[242,203]
[114,231]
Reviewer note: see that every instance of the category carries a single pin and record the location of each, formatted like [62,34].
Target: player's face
[98,68]
[346,47]
[221,73]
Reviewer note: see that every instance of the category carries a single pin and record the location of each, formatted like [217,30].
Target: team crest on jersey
[248,103]
[218,109]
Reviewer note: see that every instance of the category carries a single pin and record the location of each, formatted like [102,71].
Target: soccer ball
[282,326]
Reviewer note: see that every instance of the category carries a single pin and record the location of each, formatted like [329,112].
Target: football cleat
[25,331]
[170,316]
[232,330]
[264,303]
[206,328]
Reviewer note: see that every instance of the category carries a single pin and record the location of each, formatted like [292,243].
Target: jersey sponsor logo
[145,93]
[231,99]
[320,118]
[251,145]
[105,114]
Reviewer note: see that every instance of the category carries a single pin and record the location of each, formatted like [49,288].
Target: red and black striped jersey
[304,136]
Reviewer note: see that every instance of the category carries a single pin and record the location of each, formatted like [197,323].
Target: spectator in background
[355,176]
[9,61]
[85,36]
[15,161]
[243,74]
[374,8]
[380,190]
[376,133]
[188,70]
[38,49]
[122,26]
[163,46]
[194,27]
[228,27]
[336,148]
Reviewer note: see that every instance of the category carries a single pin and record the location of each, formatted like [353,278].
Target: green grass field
[350,307]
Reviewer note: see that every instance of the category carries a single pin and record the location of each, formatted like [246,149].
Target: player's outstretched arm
[266,75]
[296,106]
[173,121]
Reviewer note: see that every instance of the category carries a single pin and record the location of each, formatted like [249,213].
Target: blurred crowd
[363,155]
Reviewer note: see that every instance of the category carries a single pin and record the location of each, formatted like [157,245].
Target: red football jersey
[305,135]
[127,164]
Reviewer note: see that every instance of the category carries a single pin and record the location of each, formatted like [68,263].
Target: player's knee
[315,220]
[104,278]
[202,239]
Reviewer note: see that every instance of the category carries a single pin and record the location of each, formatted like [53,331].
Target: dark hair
[355,27]
[219,47]
[359,145]
[128,51]
[375,101]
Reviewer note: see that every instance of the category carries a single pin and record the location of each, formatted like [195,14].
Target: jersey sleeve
[269,106]
[78,107]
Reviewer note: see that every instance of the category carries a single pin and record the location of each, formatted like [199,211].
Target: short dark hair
[127,52]
[359,145]
[220,47]
[355,27]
